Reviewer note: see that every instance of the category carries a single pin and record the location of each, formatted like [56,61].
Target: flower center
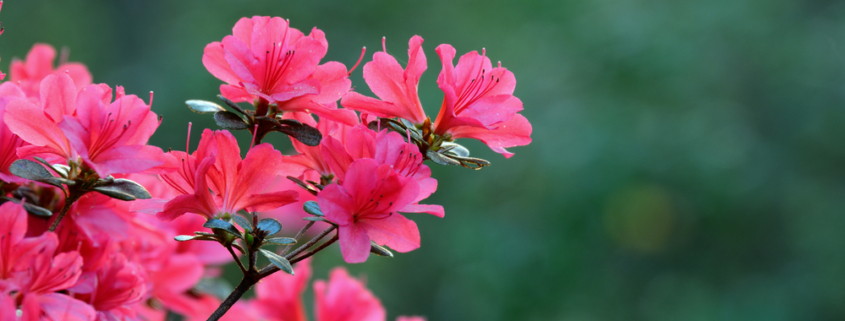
[478,86]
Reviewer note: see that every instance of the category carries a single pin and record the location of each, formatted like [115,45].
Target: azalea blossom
[479,102]
[366,208]
[39,64]
[110,137]
[478,99]
[9,142]
[344,298]
[224,183]
[397,88]
[266,60]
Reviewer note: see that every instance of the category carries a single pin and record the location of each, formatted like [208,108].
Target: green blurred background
[687,161]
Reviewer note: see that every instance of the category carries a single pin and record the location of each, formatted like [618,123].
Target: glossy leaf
[219,224]
[230,120]
[30,170]
[454,149]
[232,104]
[379,250]
[311,207]
[269,226]
[202,106]
[277,260]
[242,222]
[440,158]
[123,189]
[281,240]
[183,238]
[306,134]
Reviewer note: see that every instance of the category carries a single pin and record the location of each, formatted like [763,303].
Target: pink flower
[9,142]
[279,296]
[39,124]
[15,248]
[385,147]
[116,287]
[346,299]
[266,59]
[311,157]
[39,64]
[366,207]
[479,102]
[47,274]
[110,137]
[397,88]
[235,184]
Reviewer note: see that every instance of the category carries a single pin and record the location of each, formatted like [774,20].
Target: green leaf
[30,208]
[243,223]
[450,148]
[306,134]
[311,207]
[183,238]
[269,226]
[281,240]
[122,189]
[37,210]
[277,260]
[440,158]
[30,170]
[218,224]
[230,120]
[379,250]
[202,106]
[316,219]
[232,104]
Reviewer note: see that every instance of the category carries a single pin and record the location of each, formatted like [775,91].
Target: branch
[247,282]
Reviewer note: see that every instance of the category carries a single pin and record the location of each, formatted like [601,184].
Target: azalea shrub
[96,224]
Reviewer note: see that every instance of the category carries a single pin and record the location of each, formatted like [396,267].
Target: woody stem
[73,196]
[247,282]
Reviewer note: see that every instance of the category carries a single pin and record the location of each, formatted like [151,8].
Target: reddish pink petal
[235,93]
[127,159]
[269,201]
[279,296]
[470,65]
[29,123]
[360,142]
[364,104]
[354,243]
[514,132]
[214,60]
[492,110]
[77,71]
[63,307]
[39,60]
[308,53]
[395,231]
[335,156]
[7,308]
[285,92]
[240,59]
[58,96]
[336,204]
[435,210]
[254,174]
[334,82]
[386,79]
[345,298]
[243,30]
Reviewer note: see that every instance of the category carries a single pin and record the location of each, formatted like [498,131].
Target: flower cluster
[92,217]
